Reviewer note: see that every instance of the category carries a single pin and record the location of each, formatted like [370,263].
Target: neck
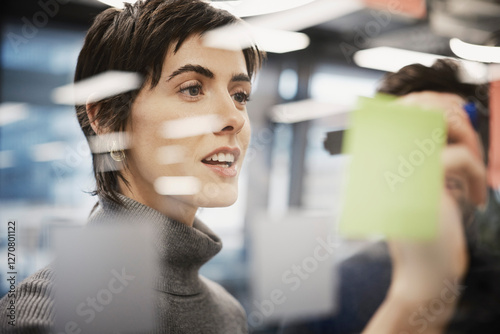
[170,206]
[179,249]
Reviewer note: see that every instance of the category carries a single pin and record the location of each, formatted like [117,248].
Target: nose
[232,118]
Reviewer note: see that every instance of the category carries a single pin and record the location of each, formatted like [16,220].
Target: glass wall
[45,166]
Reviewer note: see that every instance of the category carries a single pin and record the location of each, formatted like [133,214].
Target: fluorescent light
[341,89]
[392,60]
[12,112]
[481,53]
[96,88]
[247,8]
[240,36]
[117,3]
[304,110]
[273,32]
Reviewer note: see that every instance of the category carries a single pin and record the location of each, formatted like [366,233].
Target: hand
[421,270]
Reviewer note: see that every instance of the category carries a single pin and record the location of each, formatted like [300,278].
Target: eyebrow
[192,68]
[207,73]
[241,77]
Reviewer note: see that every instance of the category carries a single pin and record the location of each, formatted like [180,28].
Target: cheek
[245,136]
[145,136]
[247,130]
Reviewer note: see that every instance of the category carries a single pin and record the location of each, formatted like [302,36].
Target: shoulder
[31,304]
[218,291]
[364,278]
[371,263]
[226,301]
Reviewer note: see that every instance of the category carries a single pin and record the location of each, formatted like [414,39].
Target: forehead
[430,99]
[192,51]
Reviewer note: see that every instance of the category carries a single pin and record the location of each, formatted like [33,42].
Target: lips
[222,161]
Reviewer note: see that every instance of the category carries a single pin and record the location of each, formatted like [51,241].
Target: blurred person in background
[365,278]
[161,40]
[440,86]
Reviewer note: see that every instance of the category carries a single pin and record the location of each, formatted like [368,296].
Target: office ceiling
[471,20]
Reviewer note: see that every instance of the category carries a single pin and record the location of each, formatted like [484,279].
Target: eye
[241,97]
[191,90]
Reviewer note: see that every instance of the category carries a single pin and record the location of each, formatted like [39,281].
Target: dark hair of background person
[443,77]
[136,39]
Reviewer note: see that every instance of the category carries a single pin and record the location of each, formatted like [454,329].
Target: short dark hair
[443,77]
[136,39]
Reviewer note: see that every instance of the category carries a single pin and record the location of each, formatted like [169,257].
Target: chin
[215,196]
[219,204]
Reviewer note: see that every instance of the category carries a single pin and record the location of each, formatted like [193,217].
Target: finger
[461,132]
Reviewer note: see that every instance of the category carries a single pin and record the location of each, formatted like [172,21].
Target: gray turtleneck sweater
[185,302]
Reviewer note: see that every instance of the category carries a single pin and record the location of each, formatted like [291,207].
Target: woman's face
[189,135]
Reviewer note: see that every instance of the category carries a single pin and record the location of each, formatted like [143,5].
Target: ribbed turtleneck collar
[181,249]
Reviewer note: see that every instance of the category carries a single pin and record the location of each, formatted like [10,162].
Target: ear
[92,110]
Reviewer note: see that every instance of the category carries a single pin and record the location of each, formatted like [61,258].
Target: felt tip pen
[471,110]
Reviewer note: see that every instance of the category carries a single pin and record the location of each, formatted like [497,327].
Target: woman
[184,83]
[183,80]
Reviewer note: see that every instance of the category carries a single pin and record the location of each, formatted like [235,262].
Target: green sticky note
[395,176]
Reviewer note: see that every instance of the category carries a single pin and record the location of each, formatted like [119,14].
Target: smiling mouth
[225,160]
